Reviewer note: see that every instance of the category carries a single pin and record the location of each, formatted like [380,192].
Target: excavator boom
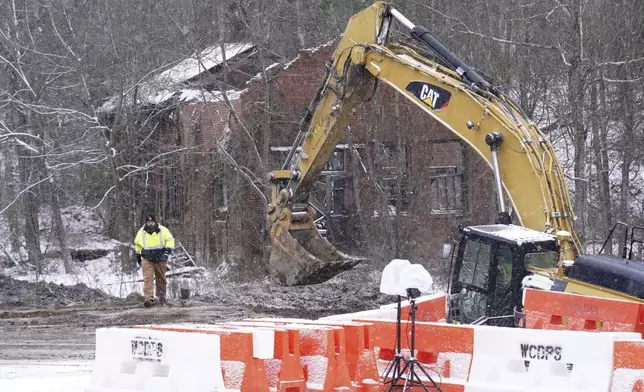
[522,159]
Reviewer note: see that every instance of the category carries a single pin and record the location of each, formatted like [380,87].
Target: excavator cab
[489,271]
[486,283]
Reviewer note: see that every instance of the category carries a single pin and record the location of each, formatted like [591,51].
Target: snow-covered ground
[44,376]
[102,273]
[84,232]
[106,274]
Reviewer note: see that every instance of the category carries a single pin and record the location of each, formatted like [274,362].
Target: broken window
[330,189]
[392,163]
[338,192]
[446,189]
[336,161]
[221,194]
[174,199]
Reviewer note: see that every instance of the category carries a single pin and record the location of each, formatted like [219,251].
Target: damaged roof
[173,82]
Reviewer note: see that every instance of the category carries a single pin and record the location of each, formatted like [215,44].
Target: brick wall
[200,170]
[202,124]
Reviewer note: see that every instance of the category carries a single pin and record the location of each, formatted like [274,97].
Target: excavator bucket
[303,256]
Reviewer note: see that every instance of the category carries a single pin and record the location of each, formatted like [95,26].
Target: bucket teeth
[302,257]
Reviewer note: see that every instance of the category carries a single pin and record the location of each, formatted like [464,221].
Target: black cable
[424,367]
[440,378]
[407,332]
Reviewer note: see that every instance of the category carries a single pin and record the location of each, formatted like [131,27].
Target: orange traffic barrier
[289,374]
[324,356]
[640,321]
[236,349]
[285,371]
[628,366]
[322,352]
[444,350]
[359,349]
[360,355]
[564,311]
[430,309]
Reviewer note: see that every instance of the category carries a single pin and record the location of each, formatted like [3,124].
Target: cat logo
[432,96]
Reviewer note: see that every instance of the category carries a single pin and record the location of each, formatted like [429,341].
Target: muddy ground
[44,321]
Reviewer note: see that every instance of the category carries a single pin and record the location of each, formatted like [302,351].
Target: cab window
[504,267]
[542,260]
[476,264]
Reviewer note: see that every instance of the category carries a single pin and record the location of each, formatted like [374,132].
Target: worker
[153,245]
[504,269]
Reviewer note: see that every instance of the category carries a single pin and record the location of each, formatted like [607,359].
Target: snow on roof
[309,51]
[515,233]
[315,49]
[200,62]
[258,76]
[290,63]
[272,66]
[197,95]
[167,84]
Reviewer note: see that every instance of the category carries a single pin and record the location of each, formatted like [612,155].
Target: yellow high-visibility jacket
[155,246]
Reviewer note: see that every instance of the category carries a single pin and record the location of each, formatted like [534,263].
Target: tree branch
[23,191]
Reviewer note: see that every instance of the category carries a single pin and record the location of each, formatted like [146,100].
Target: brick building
[398,185]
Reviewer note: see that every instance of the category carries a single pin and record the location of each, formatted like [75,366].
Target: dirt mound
[351,291]
[20,294]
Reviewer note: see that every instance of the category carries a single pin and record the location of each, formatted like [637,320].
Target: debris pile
[348,292]
[17,294]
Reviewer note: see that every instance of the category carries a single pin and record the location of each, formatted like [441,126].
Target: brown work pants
[153,271]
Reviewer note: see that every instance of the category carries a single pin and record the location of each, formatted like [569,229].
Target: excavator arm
[523,160]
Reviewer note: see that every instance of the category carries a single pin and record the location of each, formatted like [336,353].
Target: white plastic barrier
[524,360]
[624,380]
[129,359]
[239,346]
[262,338]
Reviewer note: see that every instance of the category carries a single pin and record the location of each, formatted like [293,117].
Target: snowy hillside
[96,258]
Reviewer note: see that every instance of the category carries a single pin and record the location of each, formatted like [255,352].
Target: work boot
[149,302]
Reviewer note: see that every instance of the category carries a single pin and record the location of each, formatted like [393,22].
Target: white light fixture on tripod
[400,275]
[391,277]
[403,279]
[415,277]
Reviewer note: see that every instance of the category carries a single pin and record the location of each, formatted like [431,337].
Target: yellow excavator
[492,261]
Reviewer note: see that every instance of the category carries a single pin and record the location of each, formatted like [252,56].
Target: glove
[164,254]
[138,259]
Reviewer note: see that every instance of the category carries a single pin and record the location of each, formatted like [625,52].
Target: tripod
[396,370]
